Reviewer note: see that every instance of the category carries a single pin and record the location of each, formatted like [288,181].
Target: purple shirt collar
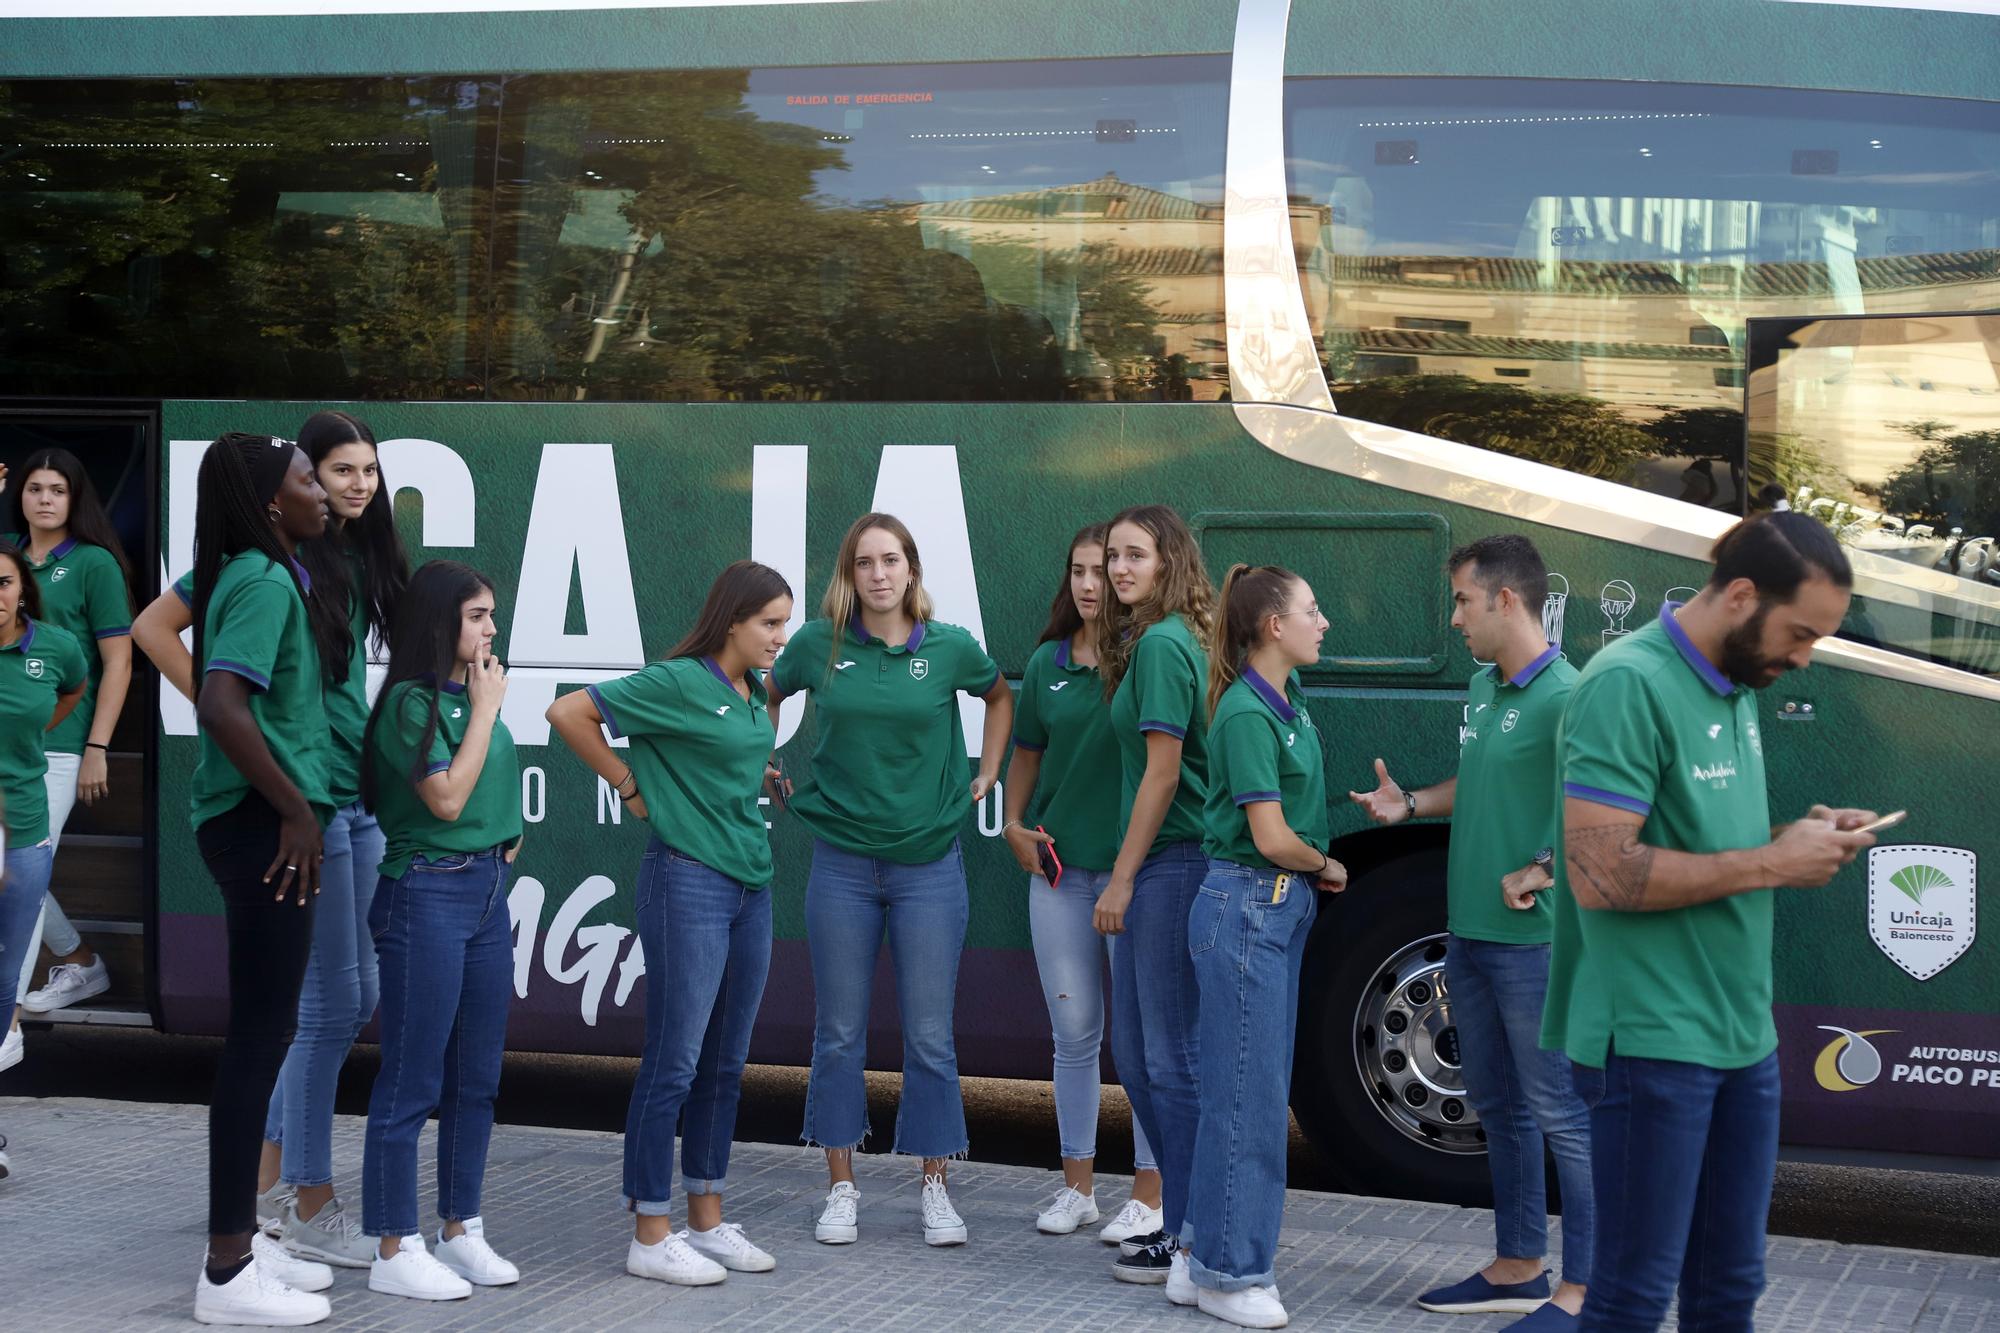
[1692,655]
[915,641]
[1273,699]
[1527,674]
[305,579]
[62,548]
[27,636]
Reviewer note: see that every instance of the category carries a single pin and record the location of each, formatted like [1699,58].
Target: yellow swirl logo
[1849,1061]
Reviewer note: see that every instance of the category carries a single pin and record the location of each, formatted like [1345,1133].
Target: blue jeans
[337,1001]
[1522,1094]
[1682,1157]
[707,945]
[1155,1004]
[1247,950]
[850,901]
[442,934]
[1070,957]
[27,883]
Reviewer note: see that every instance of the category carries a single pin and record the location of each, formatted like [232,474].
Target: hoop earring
[272,515]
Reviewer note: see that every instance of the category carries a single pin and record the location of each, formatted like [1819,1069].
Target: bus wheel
[1376,1083]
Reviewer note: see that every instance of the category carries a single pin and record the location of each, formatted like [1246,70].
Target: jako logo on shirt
[919,668]
[842,666]
[1715,775]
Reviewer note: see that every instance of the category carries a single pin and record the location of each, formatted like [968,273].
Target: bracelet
[619,786]
[1010,824]
[97,745]
[1325,864]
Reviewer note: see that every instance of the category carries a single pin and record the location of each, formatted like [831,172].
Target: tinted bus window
[957,232]
[241,238]
[1563,270]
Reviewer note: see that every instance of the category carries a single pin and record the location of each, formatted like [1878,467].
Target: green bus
[630,292]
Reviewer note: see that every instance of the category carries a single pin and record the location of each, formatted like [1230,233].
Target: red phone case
[1052,866]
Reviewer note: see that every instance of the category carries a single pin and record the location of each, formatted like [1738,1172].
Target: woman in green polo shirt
[698,738]
[42,679]
[54,515]
[1152,649]
[259,801]
[1065,769]
[885,800]
[1266,830]
[440,772]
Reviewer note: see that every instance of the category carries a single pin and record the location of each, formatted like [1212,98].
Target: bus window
[1889,429]
[960,232]
[273,238]
[1611,240]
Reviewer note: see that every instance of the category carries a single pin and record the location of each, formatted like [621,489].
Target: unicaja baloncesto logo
[1922,905]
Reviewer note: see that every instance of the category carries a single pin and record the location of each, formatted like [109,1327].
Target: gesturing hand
[1385,805]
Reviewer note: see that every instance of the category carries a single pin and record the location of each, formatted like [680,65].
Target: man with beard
[1660,983]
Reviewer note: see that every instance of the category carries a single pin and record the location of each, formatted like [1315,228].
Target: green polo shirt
[890,777]
[1652,727]
[257,629]
[347,702]
[1165,688]
[492,813]
[1064,716]
[697,751]
[44,662]
[1505,809]
[1262,746]
[83,592]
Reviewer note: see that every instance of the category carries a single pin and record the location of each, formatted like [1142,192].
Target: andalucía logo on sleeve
[1922,905]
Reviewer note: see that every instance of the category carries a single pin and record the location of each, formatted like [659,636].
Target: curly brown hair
[1183,589]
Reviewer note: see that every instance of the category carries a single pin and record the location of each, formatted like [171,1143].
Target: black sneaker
[1134,1244]
[1149,1265]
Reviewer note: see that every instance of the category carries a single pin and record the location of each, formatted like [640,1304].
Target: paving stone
[104,1219]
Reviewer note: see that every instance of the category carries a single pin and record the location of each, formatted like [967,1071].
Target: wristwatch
[1410,803]
[1546,859]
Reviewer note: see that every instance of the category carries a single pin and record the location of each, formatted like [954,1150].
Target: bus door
[104,861]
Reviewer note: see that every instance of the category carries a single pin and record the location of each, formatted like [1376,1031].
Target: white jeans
[62,936]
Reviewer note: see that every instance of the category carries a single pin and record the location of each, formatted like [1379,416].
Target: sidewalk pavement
[102,1226]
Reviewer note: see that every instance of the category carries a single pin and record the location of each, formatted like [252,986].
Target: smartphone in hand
[1045,852]
[1885,822]
[778,793]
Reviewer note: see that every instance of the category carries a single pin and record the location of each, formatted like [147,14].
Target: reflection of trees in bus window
[1612,239]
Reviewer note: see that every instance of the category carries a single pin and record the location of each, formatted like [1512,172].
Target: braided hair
[229,518]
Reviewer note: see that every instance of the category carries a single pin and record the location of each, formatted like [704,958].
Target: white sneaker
[1252,1307]
[837,1224]
[331,1236]
[673,1260]
[69,983]
[256,1297]
[1180,1287]
[412,1272]
[942,1224]
[1066,1212]
[1134,1219]
[272,1203]
[6,1167]
[11,1049]
[468,1255]
[288,1269]
[728,1246]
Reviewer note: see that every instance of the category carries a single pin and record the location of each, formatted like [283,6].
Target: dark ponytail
[1250,595]
[423,647]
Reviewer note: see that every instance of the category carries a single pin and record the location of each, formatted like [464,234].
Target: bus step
[110,1015]
[101,926]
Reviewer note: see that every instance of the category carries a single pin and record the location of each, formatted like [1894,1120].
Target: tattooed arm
[1611,870]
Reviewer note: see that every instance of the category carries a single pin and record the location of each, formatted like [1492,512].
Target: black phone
[1045,853]
[778,793]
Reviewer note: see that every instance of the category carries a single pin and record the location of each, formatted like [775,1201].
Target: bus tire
[1375,1082]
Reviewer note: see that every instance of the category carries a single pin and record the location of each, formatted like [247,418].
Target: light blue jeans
[1155,1005]
[27,883]
[851,901]
[1524,1095]
[446,946]
[338,999]
[1248,942]
[1070,956]
[707,942]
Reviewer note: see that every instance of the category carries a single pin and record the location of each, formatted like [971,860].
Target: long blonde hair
[1250,595]
[1182,589]
[840,600]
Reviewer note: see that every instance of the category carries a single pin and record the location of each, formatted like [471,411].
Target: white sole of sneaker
[1179,1297]
[1516,1305]
[944,1236]
[481,1279]
[258,1318]
[1058,1229]
[87,993]
[698,1280]
[742,1265]
[1244,1321]
[1140,1277]
[300,1250]
[388,1288]
[831,1235]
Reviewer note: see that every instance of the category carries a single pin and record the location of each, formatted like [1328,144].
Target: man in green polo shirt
[1660,984]
[1502,806]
